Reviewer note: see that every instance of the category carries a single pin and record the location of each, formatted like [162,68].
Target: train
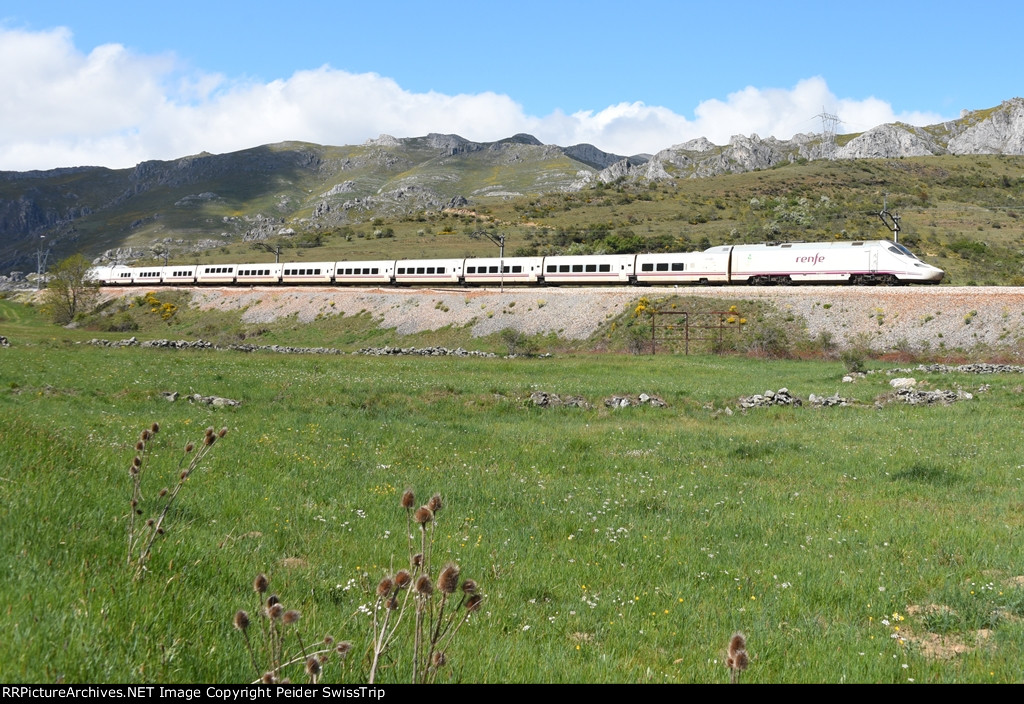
[868,262]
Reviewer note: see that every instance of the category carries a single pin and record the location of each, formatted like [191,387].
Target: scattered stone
[976,368]
[548,400]
[828,401]
[903,382]
[215,401]
[285,349]
[641,400]
[170,396]
[782,397]
[4,342]
[915,397]
[423,352]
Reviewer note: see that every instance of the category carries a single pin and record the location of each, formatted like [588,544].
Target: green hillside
[423,197]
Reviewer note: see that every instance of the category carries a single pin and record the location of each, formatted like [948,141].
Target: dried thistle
[261,583]
[403,579]
[408,499]
[448,580]
[241,620]
[435,504]
[290,617]
[737,659]
[384,587]
[423,516]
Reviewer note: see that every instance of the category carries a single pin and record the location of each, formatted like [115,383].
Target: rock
[782,397]
[216,401]
[903,383]
[171,396]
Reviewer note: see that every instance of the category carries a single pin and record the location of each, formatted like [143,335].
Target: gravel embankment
[933,316]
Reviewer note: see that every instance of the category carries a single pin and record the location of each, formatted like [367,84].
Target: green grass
[612,546]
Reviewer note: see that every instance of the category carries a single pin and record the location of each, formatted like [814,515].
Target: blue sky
[113,83]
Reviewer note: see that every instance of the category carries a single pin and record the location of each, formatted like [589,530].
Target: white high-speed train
[864,263]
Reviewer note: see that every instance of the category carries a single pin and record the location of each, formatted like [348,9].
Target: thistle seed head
[342,648]
[424,586]
[737,643]
[291,617]
[222,432]
[384,587]
[275,611]
[469,587]
[140,446]
[423,516]
[417,560]
[439,659]
[312,666]
[155,428]
[189,447]
[402,579]
[448,580]
[435,504]
[241,620]
[392,603]
[146,435]
[408,499]
[473,603]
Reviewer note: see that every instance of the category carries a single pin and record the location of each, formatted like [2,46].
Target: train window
[375,271]
[858,244]
[577,268]
[786,246]
[470,269]
[430,270]
[563,268]
[401,270]
[591,268]
[677,266]
[663,266]
[504,270]
[552,268]
[647,267]
[421,269]
[605,268]
[440,270]
[517,269]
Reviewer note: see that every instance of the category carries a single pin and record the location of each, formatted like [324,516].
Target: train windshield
[900,249]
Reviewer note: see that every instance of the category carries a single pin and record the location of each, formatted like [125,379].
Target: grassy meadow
[860,544]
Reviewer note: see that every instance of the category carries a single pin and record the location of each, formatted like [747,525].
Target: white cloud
[113,107]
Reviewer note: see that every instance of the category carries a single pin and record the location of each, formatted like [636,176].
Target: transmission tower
[829,123]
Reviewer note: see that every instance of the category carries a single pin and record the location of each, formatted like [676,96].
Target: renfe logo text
[810,260]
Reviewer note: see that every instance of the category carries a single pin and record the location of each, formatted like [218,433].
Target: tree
[70,290]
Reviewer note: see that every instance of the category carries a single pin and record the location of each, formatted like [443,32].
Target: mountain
[203,202]
[998,130]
